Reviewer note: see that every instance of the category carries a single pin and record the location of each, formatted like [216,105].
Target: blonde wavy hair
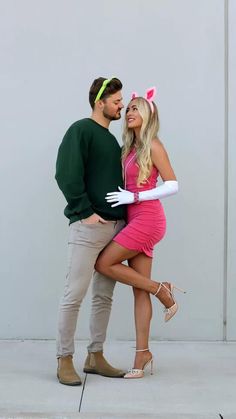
[148,132]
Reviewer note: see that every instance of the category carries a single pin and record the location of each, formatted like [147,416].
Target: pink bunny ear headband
[149,96]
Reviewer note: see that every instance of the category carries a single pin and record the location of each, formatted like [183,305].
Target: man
[88,166]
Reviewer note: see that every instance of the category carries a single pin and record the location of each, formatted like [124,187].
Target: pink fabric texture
[146,221]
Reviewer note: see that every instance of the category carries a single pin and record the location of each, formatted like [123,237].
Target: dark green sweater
[88,166]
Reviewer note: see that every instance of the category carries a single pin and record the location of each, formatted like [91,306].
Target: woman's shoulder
[156,145]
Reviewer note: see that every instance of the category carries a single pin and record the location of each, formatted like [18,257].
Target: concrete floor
[190,381]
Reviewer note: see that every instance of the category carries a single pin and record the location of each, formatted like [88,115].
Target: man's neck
[101,120]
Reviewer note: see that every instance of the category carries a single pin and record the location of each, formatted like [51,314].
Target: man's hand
[120,198]
[94,219]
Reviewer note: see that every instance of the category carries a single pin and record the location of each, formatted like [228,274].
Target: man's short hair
[112,87]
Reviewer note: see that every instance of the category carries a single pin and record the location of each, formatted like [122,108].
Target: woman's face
[133,117]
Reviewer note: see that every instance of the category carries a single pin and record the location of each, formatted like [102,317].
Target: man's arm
[70,171]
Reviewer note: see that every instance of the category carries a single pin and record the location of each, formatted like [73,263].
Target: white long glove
[169,187]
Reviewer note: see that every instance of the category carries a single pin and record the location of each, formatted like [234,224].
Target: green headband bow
[102,88]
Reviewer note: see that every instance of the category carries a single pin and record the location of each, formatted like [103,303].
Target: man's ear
[100,104]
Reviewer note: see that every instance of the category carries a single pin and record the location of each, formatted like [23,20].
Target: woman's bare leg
[142,310]
[109,263]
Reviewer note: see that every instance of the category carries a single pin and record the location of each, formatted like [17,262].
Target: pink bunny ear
[134,95]
[150,94]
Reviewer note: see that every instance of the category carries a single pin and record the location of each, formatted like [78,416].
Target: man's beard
[111,117]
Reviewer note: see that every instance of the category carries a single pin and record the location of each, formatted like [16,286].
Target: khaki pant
[85,243]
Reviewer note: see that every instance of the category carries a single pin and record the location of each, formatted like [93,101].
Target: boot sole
[88,371]
[70,384]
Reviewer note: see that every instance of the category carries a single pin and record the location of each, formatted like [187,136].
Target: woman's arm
[161,161]
[169,187]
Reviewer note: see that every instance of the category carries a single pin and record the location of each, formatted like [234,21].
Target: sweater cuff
[86,213]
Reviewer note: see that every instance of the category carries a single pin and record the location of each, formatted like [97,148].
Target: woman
[144,159]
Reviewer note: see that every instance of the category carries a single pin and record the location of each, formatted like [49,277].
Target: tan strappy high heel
[139,373]
[170,311]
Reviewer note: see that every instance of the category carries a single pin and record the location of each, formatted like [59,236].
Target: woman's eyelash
[133,109]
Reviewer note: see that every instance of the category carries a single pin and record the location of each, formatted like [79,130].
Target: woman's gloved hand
[120,198]
[168,188]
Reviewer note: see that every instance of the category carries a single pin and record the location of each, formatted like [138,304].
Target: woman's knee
[100,265]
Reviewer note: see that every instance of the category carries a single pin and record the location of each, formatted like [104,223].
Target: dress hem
[141,250]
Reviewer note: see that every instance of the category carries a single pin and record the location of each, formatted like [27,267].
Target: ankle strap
[142,350]
[158,289]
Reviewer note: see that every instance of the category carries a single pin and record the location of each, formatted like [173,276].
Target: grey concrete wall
[50,53]
[231,209]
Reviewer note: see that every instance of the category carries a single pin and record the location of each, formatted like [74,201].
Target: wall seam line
[226,145]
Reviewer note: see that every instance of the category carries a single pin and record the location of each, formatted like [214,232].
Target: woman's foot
[165,294]
[143,358]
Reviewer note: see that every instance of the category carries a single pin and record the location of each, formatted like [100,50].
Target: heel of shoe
[150,362]
[151,371]
[177,288]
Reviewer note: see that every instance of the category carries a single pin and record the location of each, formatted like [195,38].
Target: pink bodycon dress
[146,221]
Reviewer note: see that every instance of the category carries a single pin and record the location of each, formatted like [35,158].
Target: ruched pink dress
[146,221]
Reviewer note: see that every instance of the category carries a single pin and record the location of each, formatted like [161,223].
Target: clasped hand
[120,198]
